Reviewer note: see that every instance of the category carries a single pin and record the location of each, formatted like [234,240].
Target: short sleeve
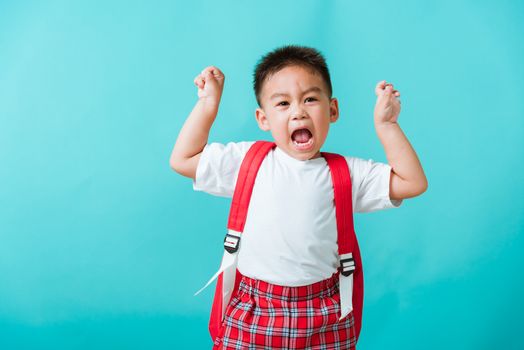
[218,167]
[371,185]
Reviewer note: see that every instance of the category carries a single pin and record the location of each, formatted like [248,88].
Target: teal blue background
[102,245]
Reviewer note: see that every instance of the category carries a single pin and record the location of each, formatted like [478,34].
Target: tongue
[301,135]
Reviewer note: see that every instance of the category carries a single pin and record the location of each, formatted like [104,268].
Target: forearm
[195,132]
[401,156]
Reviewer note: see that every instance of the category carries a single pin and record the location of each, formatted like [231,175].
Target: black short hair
[290,55]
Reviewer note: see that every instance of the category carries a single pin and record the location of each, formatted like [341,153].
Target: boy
[289,242]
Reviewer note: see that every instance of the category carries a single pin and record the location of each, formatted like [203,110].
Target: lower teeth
[302,144]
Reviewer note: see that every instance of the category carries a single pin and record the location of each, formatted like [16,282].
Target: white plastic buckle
[231,241]
[347,264]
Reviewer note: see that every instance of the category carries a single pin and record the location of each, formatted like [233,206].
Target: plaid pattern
[268,316]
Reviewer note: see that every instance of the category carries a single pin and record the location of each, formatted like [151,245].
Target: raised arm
[407,178]
[195,131]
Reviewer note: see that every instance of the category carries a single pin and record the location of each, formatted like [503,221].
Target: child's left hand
[387,107]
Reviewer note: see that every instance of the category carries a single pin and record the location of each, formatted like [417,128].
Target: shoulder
[357,163]
[364,170]
[218,167]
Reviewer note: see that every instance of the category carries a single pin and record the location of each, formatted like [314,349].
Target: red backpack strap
[228,276]
[245,182]
[348,249]
[343,201]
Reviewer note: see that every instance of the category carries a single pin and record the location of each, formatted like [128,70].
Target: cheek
[280,129]
[322,131]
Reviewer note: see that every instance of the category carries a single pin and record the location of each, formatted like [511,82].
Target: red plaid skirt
[269,316]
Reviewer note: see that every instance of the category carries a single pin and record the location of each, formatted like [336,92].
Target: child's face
[296,98]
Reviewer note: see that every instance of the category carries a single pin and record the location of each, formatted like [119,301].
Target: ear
[263,122]
[333,110]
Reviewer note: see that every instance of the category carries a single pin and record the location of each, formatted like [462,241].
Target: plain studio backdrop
[102,245]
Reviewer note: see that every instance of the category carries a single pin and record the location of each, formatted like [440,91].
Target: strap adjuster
[347,264]
[231,241]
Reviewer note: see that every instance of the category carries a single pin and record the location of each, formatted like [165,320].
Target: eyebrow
[282,94]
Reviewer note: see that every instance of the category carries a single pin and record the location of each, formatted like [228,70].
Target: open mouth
[302,138]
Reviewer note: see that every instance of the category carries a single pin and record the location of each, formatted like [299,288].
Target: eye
[280,103]
[311,98]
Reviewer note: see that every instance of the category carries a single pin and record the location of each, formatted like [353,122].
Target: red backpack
[351,281]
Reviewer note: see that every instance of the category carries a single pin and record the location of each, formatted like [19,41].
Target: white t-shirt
[290,234]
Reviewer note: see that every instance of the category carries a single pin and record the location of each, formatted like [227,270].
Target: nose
[298,114]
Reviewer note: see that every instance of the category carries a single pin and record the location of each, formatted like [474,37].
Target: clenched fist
[210,84]
[387,107]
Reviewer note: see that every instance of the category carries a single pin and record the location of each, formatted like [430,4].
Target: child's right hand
[210,83]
